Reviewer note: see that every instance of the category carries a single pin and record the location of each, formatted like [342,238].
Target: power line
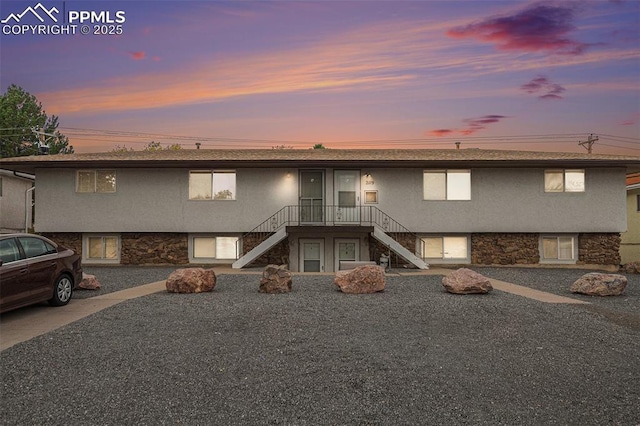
[135,138]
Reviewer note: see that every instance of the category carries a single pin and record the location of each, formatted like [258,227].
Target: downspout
[27,208]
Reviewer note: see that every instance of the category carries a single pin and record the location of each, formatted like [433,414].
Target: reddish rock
[599,284]
[466,281]
[275,279]
[89,282]
[191,280]
[631,268]
[361,280]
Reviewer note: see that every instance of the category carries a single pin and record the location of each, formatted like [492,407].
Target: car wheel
[62,291]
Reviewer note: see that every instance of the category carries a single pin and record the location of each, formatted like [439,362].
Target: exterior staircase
[260,249]
[274,229]
[386,239]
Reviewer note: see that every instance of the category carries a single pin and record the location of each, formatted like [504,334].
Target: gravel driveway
[413,354]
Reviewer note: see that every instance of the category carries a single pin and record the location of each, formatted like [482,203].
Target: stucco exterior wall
[13,203]
[630,244]
[157,200]
[506,200]
[502,200]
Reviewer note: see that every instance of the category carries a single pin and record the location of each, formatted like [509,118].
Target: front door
[311,256]
[311,196]
[347,250]
[347,196]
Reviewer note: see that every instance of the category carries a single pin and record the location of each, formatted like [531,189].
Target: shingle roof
[320,157]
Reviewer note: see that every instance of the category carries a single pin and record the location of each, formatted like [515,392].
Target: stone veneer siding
[376,249]
[486,249]
[70,240]
[505,249]
[277,255]
[599,249]
[154,248]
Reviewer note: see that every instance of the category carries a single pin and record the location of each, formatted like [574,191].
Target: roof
[321,158]
[14,174]
[633,181]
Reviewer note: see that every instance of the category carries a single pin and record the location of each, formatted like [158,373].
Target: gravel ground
[413,354]
[624,309]
[116,278]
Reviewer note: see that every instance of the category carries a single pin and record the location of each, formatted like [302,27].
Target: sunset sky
[348,74]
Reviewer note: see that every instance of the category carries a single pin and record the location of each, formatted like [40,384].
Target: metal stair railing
[265,229]
[327,215]
[394,228]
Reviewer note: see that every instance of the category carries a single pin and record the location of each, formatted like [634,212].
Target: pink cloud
[137,55]
[472,125]
[440,132]
[631,121]
[537,28]
[544,88]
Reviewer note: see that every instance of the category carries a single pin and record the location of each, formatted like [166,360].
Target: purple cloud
[472,125]
[544,88]
[539,27]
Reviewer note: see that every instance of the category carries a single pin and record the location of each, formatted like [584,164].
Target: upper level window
[564,180]
[447,184]
[212,185]
[638,202]
[96,181]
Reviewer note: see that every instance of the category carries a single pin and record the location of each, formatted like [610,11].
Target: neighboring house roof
[18,175]
[322,158]
[633,181]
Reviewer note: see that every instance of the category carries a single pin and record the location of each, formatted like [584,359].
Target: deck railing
[325,215]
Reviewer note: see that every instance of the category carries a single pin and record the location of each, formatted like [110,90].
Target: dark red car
[34,269]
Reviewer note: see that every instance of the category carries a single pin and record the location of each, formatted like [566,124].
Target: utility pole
[43,145]
[588,144]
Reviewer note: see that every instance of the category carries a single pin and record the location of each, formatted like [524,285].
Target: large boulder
[89,282]
[191,280]
[600,284]
[466,281]
[275,279]
[631,268]
[361,280]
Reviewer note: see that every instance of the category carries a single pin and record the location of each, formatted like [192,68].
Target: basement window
[558,249]
[204,248]
[101,248]
[447,248]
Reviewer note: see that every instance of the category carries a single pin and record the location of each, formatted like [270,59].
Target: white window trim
[95,181]
[442,260]
[564,181]
[213,172]
[209,260]
[93,261]
[559,261]
[446,183]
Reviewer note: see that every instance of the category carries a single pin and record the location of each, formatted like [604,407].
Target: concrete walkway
[27,323]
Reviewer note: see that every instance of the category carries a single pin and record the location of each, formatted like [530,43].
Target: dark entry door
[311,196]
